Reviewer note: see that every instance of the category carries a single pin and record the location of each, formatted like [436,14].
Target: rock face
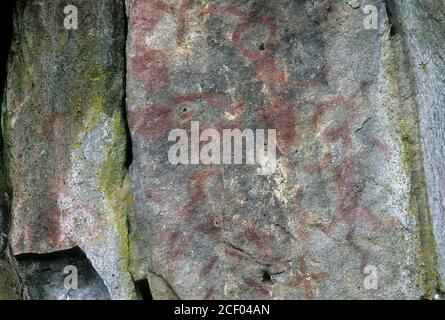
[423,28]
[347,194]
[65,135]
[352,208]
[50,282]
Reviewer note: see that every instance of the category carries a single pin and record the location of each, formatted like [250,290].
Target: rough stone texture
[10,284]
[423,28]
[44,277]
[349,188]
[359,119]
[65,135]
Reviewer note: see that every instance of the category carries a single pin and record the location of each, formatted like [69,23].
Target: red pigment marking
[383,147]
[364,255]
[209,228]
[240,108]
[306,278]
[152,67]
[54,130]
[196,193]
[210,9]
[151,123]
[345,178]
[305,222]
[183,14]
[233,253]
[340,132]
[146,15]
[208,267]
[216,100]
[280,115]
[320,165]
[257,237]
[257,286]
[56,134]
[178,243]
[209,293]
[349,209]
[263,60]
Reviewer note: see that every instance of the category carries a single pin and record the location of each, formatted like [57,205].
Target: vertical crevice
[10,286]
[6,29]
[6,20]
[143,288]
[129,144]
[393,25]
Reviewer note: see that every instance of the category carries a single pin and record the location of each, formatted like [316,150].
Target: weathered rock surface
[10,284]
[44,277]
[65,135]
[348,192]
[356,198]
[422,26]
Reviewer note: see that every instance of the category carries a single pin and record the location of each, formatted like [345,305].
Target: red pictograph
[152,122]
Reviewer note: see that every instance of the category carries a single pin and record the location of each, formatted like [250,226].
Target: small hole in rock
[266,277]
[262,47]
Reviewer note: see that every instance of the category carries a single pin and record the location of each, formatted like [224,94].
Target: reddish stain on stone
[208,267]
[183,14]
[178,243]
[195,189]
[209,227]
[212,8]
[280,115]
[146,15]
[209,293]
[383,147]
[214,99]
[257,237]
[320,165]
[240,108]
[152,122]
[342,131]
[233,253]
[256,285]
[306,278]
[152,67]
[364,255]
[348,209]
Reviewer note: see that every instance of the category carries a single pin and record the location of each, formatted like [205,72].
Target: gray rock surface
[348,192]
[356,198]
[423,28]
[65,135]
[45,276]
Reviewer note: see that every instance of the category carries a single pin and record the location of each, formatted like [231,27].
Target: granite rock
[348,193]
[65,135]
[352,208]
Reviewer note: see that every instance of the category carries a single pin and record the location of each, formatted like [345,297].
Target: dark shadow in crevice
[143,288]
[394,28]
[129,144]
[6,21]
[6,9]
[50,276]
